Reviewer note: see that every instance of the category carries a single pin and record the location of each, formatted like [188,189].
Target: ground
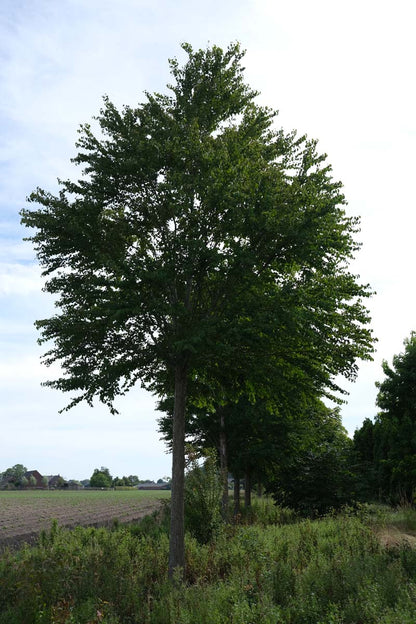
[24,514]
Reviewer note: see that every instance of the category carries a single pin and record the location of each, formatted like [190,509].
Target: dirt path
[390,536]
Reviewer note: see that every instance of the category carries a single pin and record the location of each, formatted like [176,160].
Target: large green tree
[199,239]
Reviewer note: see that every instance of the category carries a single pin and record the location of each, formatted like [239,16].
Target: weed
[329,571]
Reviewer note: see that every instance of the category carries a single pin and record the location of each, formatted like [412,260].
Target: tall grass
[328,571]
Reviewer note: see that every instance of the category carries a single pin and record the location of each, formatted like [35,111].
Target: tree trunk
[236,495]
[247,489]
[223,465]
[177,520]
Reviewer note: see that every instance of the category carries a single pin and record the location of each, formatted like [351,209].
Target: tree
[364,461]
[101,478]
[199,241]
[133,480]
[395,426]
[15,474]
[203,496]
[316,475]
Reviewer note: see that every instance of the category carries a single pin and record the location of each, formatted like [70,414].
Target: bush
[203,498]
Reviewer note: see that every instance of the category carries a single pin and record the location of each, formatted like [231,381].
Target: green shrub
[203,498]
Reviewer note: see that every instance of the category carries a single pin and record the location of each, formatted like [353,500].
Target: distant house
[34,474]
[151,485]
[6,482]
[73,484]
[55,481]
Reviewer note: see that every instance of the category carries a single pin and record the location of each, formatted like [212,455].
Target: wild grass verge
[328,571]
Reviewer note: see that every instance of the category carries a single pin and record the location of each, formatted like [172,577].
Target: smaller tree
[101,478]
[203,496]
[133,480]
[363,461]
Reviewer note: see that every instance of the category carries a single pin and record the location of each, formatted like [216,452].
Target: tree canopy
[101,478]
[202,248]
[385,449]
[14,473]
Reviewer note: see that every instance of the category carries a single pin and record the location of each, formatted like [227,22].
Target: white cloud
[18,279]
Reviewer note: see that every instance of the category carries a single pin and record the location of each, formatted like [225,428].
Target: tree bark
[223,465]
[177,520]
[247,489]
[236,495]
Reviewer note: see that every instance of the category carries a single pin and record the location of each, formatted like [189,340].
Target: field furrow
[23,515]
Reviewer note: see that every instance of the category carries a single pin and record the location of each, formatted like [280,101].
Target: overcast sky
[342,72]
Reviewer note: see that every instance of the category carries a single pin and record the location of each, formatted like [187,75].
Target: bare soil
[391,537]
[23,515]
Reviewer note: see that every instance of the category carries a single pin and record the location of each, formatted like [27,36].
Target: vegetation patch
[329,571]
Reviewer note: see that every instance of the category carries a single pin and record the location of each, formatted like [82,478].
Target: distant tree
[133,480]
[74,483]
[122,482]
[15,473]
[32,481]
[24,482]
[45,482]
[101,478]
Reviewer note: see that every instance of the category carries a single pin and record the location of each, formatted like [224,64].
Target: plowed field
[24,514]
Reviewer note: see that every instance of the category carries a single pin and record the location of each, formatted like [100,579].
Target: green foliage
[15,474]
[328,571]
[386,449]
[202,246]
[101,478]
[203,497]
[395,431]
[315,475]
[264,512]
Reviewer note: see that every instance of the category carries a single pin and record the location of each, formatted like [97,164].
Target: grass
[329,571]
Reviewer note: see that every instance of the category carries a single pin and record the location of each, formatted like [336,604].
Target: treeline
[101,478]
[302,458]
[301,454]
